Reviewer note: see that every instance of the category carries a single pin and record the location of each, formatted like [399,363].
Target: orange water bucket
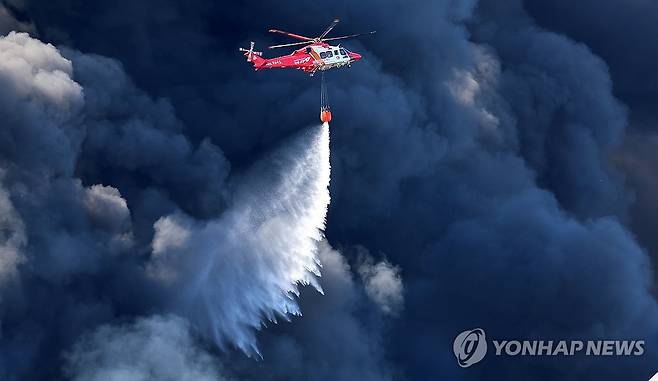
[325,116]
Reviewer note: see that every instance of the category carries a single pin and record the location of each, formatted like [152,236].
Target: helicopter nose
[355,56]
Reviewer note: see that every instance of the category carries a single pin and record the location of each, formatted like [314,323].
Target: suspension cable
[324,99]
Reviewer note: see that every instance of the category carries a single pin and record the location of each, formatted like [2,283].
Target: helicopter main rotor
[321,38]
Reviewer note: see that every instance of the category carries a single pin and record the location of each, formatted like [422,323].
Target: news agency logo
[470,347]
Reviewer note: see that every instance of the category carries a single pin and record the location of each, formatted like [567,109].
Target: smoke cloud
[13,238]
[154,348]
[91,252]
[383,284]
[472,145]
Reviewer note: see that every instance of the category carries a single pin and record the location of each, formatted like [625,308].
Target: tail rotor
[249,53]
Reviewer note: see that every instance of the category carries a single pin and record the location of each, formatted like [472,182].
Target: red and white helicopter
[316,56]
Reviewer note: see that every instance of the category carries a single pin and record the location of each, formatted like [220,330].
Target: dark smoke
[472,149]
[625,37]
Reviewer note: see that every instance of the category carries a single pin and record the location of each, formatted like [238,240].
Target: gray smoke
[382,283]
[228,259]
[472,146]
[153,348]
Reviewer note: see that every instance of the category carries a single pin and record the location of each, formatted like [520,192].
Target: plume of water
[233,274]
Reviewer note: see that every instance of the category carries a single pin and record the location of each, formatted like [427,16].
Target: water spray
[232,275]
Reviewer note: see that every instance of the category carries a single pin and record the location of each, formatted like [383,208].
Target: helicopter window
[343,51]
[324,55]
[308,50]
[336,52]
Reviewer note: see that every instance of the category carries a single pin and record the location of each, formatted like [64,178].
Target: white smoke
[383,284]
[40,103]
[236,272]
[154,348]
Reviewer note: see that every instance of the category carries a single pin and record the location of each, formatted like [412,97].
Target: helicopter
[315,55]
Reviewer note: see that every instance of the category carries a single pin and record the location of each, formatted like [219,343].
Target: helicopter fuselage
[310,59]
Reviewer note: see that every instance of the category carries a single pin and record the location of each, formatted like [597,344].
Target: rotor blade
[350,36]
[297,36]
[291,44]
[333,24]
